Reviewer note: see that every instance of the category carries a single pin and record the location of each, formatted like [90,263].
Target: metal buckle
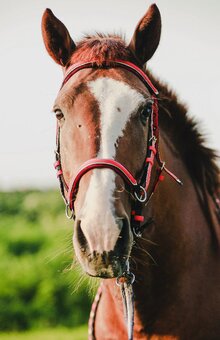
[153,138]
[57,153]
[162,166]
[136,232]
[143,196]
[126,277]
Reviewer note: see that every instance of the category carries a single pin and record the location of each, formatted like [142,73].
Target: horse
[116,126]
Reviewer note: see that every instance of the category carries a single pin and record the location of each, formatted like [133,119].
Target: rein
[139,188]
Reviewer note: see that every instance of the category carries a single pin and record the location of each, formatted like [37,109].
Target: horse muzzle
[103,252]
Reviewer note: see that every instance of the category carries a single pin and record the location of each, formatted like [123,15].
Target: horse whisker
[146,252]
[148,241]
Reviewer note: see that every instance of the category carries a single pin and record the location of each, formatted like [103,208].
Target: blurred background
[38,288]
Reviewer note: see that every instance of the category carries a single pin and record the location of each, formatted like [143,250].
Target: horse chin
[104,273]
[105,265]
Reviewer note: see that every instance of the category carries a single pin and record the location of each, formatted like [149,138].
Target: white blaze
[117,101]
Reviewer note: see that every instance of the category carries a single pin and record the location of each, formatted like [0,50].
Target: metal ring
[140,199]
[137,233]
[128,276]
[69,212]
[132,278]
[117,281]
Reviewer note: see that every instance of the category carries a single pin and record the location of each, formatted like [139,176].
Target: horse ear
[147,35]
[57,40]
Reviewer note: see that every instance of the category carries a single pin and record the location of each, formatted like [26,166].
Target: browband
[109,64]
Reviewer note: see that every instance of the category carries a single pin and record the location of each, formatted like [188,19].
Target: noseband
[139,188]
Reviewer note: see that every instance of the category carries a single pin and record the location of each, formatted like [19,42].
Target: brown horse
[104,114]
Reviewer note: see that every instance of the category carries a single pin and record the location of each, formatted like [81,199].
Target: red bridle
[138,187]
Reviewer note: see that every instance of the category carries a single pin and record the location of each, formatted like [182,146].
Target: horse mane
[200,160]
[174,119]
[101,47]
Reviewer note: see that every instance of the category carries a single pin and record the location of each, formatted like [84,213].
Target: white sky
[187,58]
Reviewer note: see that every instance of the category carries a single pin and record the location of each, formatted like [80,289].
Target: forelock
[101,48]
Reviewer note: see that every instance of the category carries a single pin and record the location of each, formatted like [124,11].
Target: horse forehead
[117,101]
[109,90]
[115,95]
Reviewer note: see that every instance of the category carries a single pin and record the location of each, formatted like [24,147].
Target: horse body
[102,113]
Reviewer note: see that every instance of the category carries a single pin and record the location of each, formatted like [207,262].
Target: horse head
[102,113]
[108,164]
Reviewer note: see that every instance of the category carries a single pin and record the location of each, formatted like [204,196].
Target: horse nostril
[80,236]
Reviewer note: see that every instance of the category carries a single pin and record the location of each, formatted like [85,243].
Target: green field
[79,333]
[40,288]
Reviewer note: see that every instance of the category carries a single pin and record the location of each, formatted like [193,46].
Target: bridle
[139,188]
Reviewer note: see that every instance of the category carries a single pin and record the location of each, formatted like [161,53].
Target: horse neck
[166,290]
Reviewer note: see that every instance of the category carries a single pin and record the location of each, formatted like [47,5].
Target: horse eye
[146,112]
[59,114]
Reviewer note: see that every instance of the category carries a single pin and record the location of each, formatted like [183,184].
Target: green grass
[79,333]
[38,288]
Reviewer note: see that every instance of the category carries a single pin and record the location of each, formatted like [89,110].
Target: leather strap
[96,163]
[73,69]
[152,148]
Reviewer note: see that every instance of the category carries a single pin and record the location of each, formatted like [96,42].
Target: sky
[187,59]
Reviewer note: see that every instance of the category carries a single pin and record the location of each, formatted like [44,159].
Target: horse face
[101,115]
